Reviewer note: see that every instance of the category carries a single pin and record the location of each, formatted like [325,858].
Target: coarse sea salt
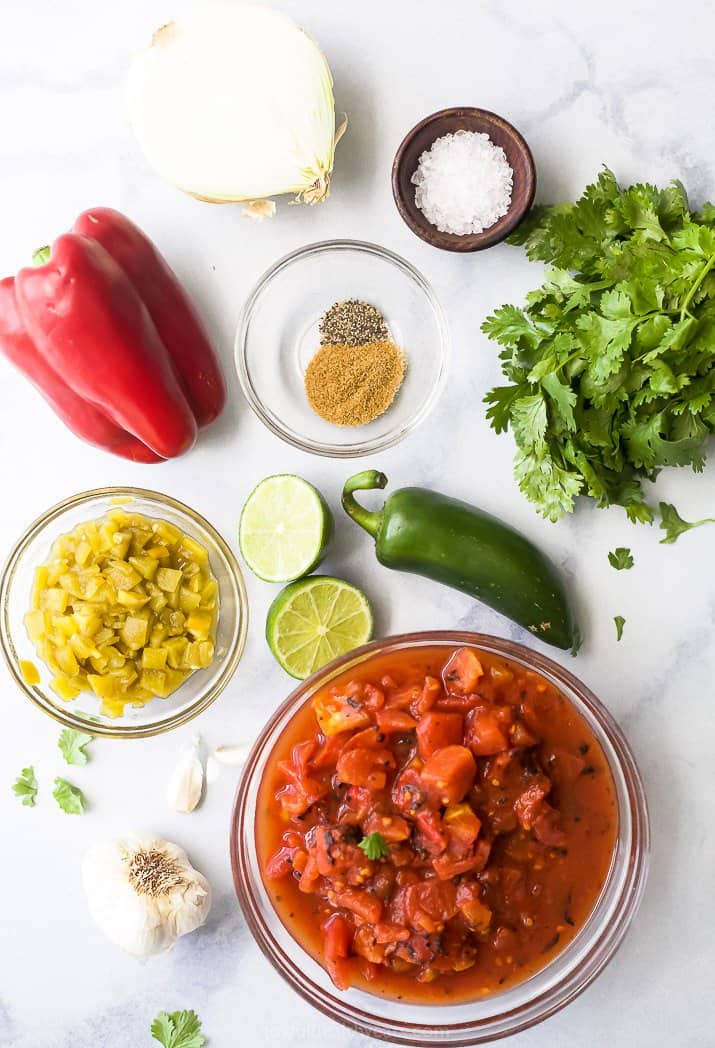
[464,183]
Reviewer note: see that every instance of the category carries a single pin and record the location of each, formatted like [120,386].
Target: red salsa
[436,825]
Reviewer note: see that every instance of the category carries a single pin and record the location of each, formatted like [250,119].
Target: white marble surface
[630,84]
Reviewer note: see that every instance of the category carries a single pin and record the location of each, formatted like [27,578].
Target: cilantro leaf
[621,559]
[72,745]
[25,786]
[673,524]
[178,1030]
[374,846]
[611,362]
[620,623]
[70,798]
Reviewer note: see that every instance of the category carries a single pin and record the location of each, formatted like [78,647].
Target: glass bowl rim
[600,948]
[270,420]
[68,719]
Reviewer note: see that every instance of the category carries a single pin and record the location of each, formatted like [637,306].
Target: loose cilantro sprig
[621,559]
[70,798]
[673,524]
[611,363]
[25,787]
[72,745]
[374,846]
[178,1030]
[620,623]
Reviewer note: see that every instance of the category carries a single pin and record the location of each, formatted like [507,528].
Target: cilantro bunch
[611,364]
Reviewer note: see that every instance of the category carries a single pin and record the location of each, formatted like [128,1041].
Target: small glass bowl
[485,1019]
[278,335]
[160,715]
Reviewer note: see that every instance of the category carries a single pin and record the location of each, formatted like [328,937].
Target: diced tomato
[281,863]
[367,945]
[462,827]
[448,866]
[529,803]
[385,933]
[337,940]
[408,791]
[471,906]
[336,713]
[309,876]
[368,739]
[374,697]
[361,903]
[521,736]
[392,827]
[329,751]
[429,904]
[364,767]
[332,848]
[547,829]
[485,734]
[449,772]
[462,672]
[431,829]
[431,692]
[458,703]
[437,730]
[391,721]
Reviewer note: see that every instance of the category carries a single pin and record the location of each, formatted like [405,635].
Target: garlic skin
[143,892]
[186,784]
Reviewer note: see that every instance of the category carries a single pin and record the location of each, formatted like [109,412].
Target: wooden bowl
[447,121]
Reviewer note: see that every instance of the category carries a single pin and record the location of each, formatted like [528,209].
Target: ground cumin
[352,385]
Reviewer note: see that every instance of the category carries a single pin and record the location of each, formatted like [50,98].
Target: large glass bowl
[516,1008]
[278,336]
[83,713]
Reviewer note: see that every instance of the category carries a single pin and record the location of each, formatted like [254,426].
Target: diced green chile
[449,541]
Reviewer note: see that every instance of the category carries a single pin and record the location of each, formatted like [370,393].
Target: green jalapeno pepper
[441,538]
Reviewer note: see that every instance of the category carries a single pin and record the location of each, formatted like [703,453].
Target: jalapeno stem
[368,480]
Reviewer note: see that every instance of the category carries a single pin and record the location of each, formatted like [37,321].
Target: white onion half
[235,103]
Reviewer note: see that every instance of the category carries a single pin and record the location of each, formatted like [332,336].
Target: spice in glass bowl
[352,323]
[353,385]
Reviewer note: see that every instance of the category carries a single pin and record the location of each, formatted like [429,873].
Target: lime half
[314,620]
[285,528]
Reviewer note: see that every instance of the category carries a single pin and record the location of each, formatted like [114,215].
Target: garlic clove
[186,784]
[143,892]
[213,770]
[236,754]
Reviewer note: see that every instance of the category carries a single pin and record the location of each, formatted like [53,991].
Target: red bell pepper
[175,319]
[88,422]
[107,334]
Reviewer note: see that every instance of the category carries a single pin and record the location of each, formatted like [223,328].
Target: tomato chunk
[437,730]
[337,940]
[391,721]
[336,713]
[450,772]
[365,767]
[462,672]
[485,734]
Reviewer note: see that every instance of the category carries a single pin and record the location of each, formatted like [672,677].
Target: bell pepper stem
[42,256]
[368,480]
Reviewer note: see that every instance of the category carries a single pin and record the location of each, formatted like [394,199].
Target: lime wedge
[285,528]
[314,620]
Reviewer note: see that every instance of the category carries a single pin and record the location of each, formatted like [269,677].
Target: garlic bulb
[187,780]
[143,893]
[234,102]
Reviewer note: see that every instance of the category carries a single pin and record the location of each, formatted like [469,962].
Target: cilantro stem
[689,297]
